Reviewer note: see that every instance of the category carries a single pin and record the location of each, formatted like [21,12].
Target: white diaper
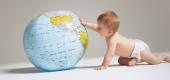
[139,46]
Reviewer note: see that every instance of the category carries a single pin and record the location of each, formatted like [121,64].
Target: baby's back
[124,46]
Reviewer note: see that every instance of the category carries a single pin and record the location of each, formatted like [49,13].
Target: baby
[131,51]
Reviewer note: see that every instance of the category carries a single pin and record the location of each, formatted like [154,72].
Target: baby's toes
[132,63]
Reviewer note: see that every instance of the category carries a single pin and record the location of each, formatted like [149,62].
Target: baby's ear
[110,32]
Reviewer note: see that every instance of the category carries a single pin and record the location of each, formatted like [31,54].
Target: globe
[55,40]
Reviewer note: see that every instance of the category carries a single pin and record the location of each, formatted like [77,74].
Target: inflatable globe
[55,40]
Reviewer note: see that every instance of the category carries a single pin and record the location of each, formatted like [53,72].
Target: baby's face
[104,30]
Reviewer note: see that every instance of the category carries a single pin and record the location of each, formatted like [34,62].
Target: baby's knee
[124,60]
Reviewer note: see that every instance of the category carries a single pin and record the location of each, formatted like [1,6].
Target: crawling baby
[131,51]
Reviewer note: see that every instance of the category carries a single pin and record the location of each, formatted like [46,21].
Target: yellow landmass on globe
[73,30]
[61,20]
[64,20]
[84,38]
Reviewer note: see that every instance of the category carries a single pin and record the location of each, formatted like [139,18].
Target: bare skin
[127,61]
[121,46]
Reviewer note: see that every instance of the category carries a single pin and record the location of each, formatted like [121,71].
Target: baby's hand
[83,21]
[101,68]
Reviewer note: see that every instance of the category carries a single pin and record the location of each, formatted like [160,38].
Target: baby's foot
[167,59]
[132,62]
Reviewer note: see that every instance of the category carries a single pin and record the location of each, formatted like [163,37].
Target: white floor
[84,70]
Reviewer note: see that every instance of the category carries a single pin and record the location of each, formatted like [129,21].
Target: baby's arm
[108,56]
[89,25]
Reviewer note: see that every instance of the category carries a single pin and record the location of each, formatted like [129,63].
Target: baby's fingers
[83,21]
[100,68]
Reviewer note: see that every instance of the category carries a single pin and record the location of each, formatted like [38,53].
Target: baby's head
[108,23]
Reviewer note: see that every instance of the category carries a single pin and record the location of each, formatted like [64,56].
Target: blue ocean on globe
[55,40]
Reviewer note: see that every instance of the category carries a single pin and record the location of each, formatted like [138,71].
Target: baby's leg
[162,55]
[127,61]
[150,58]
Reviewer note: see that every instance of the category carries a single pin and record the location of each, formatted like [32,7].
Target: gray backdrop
[144,19]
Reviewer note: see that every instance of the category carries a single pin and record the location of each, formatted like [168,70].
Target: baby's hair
[110,19]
